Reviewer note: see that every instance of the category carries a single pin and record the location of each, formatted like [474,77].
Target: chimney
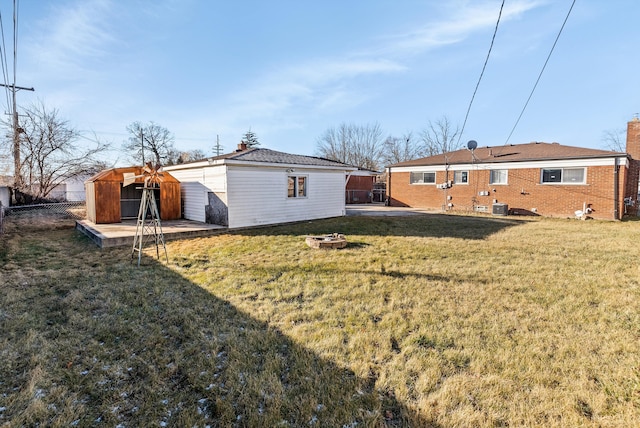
[633,138]
[242,147]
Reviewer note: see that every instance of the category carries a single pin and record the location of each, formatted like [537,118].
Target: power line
[495,31]
[5,67]
[540,75]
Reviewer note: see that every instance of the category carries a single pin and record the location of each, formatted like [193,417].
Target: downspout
[387,201]
[616,178]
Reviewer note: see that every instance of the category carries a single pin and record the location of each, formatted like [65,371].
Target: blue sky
[289,70]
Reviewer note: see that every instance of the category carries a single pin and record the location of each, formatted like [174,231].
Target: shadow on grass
[109,343]
[425,225]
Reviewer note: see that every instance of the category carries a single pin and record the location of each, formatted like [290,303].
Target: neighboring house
[6,182]
[359,189]
[546,179]
[5,196]
[257,186]
[70,190]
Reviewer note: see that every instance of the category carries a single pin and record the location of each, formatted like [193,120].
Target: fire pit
[334,240]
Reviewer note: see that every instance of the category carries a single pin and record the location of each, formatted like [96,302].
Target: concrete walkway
[382,210]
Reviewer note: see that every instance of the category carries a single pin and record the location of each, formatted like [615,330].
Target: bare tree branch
[402,149]
[149,143]
[357,145]
[50,153]
[614,139]
[439,137]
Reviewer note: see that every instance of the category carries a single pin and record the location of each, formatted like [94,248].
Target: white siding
[75,189]
[258,196]
[195,184]
[5,196]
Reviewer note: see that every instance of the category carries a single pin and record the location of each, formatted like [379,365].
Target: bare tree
[357,145]
[149,143]
[401,149]
[177,157]
[50,153]
[614,139]
[440,137]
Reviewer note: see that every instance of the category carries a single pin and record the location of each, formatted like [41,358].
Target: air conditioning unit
[500,209]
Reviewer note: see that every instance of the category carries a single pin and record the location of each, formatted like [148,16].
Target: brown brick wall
[524,194]
[361,182]
[633,138]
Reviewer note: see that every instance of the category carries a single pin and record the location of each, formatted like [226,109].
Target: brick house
[546,179]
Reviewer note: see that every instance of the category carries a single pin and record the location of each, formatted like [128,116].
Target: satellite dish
[472,144]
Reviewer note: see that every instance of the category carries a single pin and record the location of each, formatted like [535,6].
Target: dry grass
[420,321]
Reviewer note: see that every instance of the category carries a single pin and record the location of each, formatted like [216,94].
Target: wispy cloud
[73,34]
[315,85]
[459,23]
[323,84]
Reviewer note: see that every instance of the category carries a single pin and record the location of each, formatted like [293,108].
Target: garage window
[297,186]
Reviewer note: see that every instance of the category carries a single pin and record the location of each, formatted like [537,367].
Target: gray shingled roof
[272,156]
[512,153]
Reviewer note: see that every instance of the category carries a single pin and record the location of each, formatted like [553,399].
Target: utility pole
[218,148]
[17,130]
[17,175]
[142,145]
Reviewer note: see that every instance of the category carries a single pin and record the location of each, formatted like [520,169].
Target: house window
[563,175]
[297,186]
[461,177]
[498,176]
[422,178]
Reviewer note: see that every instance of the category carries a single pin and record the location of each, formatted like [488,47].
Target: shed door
[130,198]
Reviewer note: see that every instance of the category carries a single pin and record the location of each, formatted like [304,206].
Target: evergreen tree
[250,139]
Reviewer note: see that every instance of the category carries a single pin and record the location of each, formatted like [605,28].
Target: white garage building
[257,186]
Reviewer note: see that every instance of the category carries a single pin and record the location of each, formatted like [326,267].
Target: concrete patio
[121,234]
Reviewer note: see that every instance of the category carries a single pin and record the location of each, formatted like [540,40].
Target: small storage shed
[109,202]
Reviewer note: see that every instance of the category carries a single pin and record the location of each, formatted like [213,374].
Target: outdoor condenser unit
[500,209]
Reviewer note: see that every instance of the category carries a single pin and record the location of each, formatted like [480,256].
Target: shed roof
[116,174]
[534,151]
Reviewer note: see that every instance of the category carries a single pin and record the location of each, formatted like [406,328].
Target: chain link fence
[71,210]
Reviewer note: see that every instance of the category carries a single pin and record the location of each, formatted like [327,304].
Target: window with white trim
[461,177]
[563,175]
[422,178]
[297,186]
[498,176]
